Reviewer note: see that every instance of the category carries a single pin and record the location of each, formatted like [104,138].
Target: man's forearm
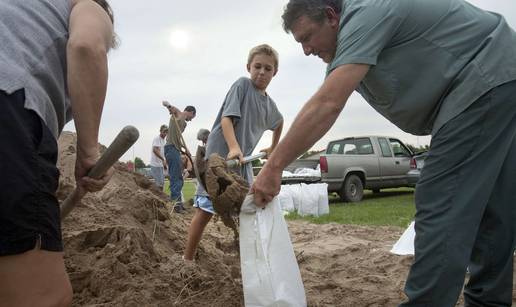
[157,152]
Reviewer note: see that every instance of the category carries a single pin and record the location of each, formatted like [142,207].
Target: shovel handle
[123,141]
[235,162]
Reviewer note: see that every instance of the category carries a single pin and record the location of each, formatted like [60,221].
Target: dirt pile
[123,247]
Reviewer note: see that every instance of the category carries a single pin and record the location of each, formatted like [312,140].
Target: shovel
[123,141]
[201,163]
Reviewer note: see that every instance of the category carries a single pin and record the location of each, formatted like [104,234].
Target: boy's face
[261,70]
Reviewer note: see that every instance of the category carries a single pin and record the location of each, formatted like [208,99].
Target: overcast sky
[190,52]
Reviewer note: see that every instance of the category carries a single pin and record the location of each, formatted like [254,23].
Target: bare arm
[313,121]
[229,136]
[157,152]
[276,134]
[171,109]
[90,38]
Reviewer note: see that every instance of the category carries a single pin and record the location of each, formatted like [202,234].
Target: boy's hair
[105,5]
[263,49]
[190,109]
[313,9]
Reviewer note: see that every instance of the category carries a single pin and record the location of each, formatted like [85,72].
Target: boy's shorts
[29,210]
[204,203]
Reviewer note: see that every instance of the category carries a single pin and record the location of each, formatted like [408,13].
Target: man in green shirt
[173,149]
[440,67]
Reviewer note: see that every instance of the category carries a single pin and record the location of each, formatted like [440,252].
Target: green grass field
[391,207]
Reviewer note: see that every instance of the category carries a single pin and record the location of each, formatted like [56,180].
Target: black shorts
[29,210]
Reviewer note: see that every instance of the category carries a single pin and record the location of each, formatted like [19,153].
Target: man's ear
[333,17]
[248,68]
[275,72]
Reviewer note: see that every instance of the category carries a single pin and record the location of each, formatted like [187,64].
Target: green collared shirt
[429,60]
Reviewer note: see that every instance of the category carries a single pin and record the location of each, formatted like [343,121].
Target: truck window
[364,146]
[350,149]
[384,146]
[399,149]
[334,148]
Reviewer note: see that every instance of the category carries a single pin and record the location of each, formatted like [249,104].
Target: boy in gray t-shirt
[247,112]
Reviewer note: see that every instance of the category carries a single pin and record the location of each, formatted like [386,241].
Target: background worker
[173,149]
[158,164]
[445,68]
[53,69]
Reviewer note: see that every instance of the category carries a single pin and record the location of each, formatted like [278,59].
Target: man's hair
[190,109]
[203,134]
[313,9]
[105,5]
[263,49]
[163,128]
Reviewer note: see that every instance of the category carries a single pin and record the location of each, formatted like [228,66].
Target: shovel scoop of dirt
[227,190]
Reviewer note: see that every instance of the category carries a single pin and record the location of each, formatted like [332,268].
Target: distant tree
[138,163]
[256,163]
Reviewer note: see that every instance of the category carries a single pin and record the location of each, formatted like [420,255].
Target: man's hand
[85,184]
[235,153]
[266,186]
[165,166]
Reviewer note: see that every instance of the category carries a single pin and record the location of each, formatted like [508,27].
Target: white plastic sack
[285,199]
[309,204]
[322,189]
[270,273]
[405,244]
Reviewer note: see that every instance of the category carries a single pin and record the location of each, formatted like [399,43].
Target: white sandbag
[295,192]
[309,204]
[405,244]
[285,199]
[270,273]
[324,206]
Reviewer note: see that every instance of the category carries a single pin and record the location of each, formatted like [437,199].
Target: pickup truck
[353,164]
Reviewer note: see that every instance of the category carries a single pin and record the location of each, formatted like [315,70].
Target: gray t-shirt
[33,38]
[429,60]
[252,114]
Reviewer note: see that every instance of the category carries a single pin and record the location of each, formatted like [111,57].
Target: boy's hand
[235,153]
[267,152]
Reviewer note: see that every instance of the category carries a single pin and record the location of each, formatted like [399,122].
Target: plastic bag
[405,244]
[270,273]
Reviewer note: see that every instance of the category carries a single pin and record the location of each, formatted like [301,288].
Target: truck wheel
[352,190]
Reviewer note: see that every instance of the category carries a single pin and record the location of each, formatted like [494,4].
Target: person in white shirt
[157,161]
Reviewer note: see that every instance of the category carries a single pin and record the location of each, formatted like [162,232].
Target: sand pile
[123,247]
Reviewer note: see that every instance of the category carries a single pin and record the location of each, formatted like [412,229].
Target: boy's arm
[90,39]
[276,134]
[229,136]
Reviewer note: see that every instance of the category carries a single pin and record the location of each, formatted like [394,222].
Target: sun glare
[179,39]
